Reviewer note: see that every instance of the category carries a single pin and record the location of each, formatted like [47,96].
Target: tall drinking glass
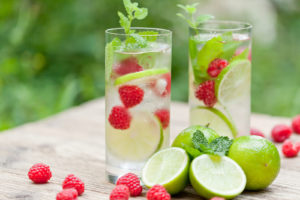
[137,97]
[220,76]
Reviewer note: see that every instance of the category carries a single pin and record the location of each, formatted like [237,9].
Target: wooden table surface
[73,142]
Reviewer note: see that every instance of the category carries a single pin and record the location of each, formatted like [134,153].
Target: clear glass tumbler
[220,76]
[137,97]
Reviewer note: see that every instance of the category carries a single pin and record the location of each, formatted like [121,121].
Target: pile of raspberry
[206,90]
[72,186]
[281,134]
[130,185]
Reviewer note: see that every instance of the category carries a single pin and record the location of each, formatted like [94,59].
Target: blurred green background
[52,52]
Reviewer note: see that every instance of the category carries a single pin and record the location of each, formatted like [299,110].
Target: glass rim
[113,31]
[241,25]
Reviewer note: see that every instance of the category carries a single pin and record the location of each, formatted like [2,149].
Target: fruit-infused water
[220,76]
[138,86]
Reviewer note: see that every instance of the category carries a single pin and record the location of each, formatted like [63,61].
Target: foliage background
[52,53]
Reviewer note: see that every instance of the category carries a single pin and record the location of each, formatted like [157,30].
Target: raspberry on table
[119,118]
[296,124]
[216,66]
[281,132]
[72,181]
[289,150]
[131,95]
[129,65]
[120,192]
[217,198]
[254,131]
[158,192]
[163,116]
[67,194]
[206,92]
[132,182]
[39,173]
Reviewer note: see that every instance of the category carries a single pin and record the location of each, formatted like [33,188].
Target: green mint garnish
[219,146]
[189,17]
[133,12]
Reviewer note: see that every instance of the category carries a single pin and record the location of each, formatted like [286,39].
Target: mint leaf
[191,151]
[203,18]
[135,41]
[150,36]
[230,45]
[124,22]
[193,47]
[109,53]
[220,146]
[243,55]
[141,13]
[200,142]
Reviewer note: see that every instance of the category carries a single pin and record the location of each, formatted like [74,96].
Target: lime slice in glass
[214,119]
[169,168]
[218,176]
[233,81]
[143,138]
[141,74]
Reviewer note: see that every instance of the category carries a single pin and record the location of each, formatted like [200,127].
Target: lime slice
[233,81]
[139,142]
[141,74]
[169,168]
[213,118]
[218,176]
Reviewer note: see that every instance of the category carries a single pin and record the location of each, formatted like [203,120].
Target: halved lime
[169,168]
[213,118]
[141,74]
[233,81]
[139,142]
[218,176]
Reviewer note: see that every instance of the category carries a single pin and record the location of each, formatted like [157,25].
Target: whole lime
[185,136]
[259,158]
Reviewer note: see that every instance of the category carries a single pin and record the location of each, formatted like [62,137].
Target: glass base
[113,173]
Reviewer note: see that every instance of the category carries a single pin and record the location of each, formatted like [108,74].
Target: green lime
[139,141]
[141,74]
[218,176]
[185,137]
[233,81]
[259,159]
[215,119]
[169,168]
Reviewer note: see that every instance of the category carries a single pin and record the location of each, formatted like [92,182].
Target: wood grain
[73,142]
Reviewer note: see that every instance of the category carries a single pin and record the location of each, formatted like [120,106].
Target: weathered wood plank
[73,142]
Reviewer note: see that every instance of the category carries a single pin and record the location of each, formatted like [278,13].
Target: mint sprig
[133,12]
[219,146]
[188,16]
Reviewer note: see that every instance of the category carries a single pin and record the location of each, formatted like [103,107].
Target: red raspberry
[217,198]
[288,149]
[281,132]
[297,146]
[132,182]
[39,173]
[254,131]
[296,124]
[162,86]
[120,192]
[67,194]
[206,92]
[72,181]
[119,118]
[131,95]
[129,65]
[164,117]
[216,66]
[158,192]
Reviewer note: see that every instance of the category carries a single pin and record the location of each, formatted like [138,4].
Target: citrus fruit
[233,81]
[137,75]
[185,137]
[259,159]
[218,176]
[139,141]
[169,168]
[213,118]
